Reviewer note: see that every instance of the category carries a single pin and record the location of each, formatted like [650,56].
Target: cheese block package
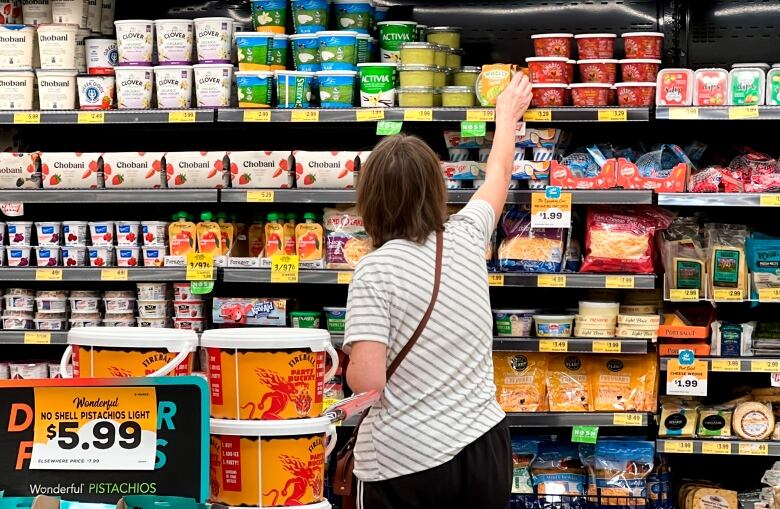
[520,381]
[753,421]
[620,469]
[763,258]
[622,384]
[568,389]
[527,249]
[715,423]
[678,419]
[726,251]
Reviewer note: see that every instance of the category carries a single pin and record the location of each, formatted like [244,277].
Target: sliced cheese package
[520,381]
[678,420]
[726,250]
[568,389]
[732,339]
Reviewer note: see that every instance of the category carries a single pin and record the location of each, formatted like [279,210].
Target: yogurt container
[84,304]
[294,89]
[554,326]
[20,322]
[101,256]
[101,233]
[16,90]
[94,15]
[643,44]
[81,53]
[74,12]
[36,12]
[16,46]
[174,41]
[77,321]
[353,15]
[18,256]
[153,323]
[337,88]
[213,39]
[51,303]
[19,233]
[255,89]
[135,39]
[134,87]
[338,50]
[305,319]
[590,94]
[310,16]
[57,89]
[598,71]
[107,17]
[212,84]
[547,69]
[152,291]
[74,233]
[174,86]
[119,305]
[277,56]
[269,15]
[553,45]
[548,95]
[711,87]
[51,324]
[19,299]
[391,35]
[596,45]
[154,232]
[127,233]
[102,55]
[153,308]
[128,256]
[252,49]
[335,319]
[182,292]
[154,256]
[188,309]
[515,323]
[639,69]
[48,233]
[306,52]
[377,84]
[47,256]
[635,94]
[193,324]
[73,256]
[57,46]
[96,92]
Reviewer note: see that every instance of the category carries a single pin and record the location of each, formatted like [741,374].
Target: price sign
[37,338]
[742,112]
[481,115]
[551,281]
[753,449]
[715,448]
[683,113]
[550,345]
[48,274]
[344,278]
[95,428]
[765,366]
[284,268]
[686,379]
[495,280]
[257,116]
[32,117]
[725,366]
[418,115]
[613,115]
[388,128]
[472,129]
[91,117]
[537,116]
[200,267]
[627,419]
[769,294]
[182,116]
[769,200]
[370,114]
[605,346]
[678,446]
[259,196]
[551,209]
[585,434]
[113,274]
[619,282]
[305,116]
[684,295]
[727,295]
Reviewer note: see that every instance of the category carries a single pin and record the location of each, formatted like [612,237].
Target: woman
[437,437]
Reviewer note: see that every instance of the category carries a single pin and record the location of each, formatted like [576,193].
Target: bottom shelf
[722,447]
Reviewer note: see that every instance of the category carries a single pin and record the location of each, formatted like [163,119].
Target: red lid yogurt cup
[550,95]
[643,44]
[547,69]
[635,94]
[598,70]
[639,69]
[590,94]
[595,45]
[552,45]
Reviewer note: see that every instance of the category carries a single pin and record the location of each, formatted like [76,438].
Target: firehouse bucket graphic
[270,464]
[108,352]
[267,374]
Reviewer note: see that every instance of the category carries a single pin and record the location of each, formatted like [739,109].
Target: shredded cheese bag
[620,384]
[520,381]
[568,389]
[528,249]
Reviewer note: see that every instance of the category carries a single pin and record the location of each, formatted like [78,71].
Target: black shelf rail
[571,345]
[111,195]
[105,274]
[736,364]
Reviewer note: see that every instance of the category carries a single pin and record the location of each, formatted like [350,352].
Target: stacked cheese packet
[596,319]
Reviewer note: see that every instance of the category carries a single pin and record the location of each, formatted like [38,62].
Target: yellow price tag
[769,294]
[113,274]
[602,346]
[200,267]
[480,115]
[495,280]
[619,282]
[31,117]
[728,366]
[683,113]
[48,275]
[769,200]
[627,419]
[257,115]
[548,212]
[753,449]
[91,117]
[728,295]
[678,446]
[742,112]
[182,116]
[37,338]
[370,114]
[418,115]
[712,447]
[537,116]
[684,295]
[765,366]
[284,268]
[259,196]
[344,278]
[305,116]
[551,281]
[613,115]
[553,345]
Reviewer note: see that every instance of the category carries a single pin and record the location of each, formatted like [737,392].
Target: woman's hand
[513,101]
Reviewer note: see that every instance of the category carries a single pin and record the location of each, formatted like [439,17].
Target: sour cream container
[135,38]
[36,12]
[212,84]
[174,41]
[56,89]
[57,46]
[16,46]
[214,39]
[102,55]
[16,90]
[75,12]
[134,87]
[174,86]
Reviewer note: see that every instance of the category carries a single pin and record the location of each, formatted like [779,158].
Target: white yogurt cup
[127,233]
[57,46]
[18,256]
[36,12]
[81,53]
[57,89]
[212,84]
[182,292]
[23,302]
[94,15]
[16,90]
[28,370]
[213,37]
[102,55]
[18,322]
[70,12]
[174,86]
[135,38]
[84,304]
[101,256]
[47,256]
[101,233]
[19,233]
[51,305]
[154,256]
[154,232]
[107,17]
[188,309]
[154,323]
[96,92]
[119,305]
[152,291]
[194,324]
[174,41]
[16,46]
[49,233]
[74,256]
[74,233]
[153,308]
[51,324]
[128,256]
[134,87]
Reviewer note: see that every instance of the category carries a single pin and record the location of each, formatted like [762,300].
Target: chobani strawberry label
[70,170]
[198,170]
[260,169]
[325,170]
[17,171]
[133,170]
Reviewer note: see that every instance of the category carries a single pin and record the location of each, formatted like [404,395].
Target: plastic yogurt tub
[514,322]
[18,321]
[73,256]
[47,256]
[554,326]
[598,71]
[590,94]
[188,309]
[252,49]
[632,94]
[154,232]
[134,87]
[338,50]
[16,46]
[102,55]
[305,319]
[193,324]
[119,305]
[48,233]
[51,324]
[460,97]
[154,256]
[553,45]
[111,321]
[57,89]
[334,319]
[57,46]
[19,233]
[153,308]
[337,88]
[354,15]
[153,323]
[51,305]
[16,90]
[212,84]
[643,44]
[255,89]
[19,299]
[174,41]
[306,52]
[152,291]
[74,233]
[213,38]
[28,370]
[84,304]
[547,69]
[595,45]
[548,95]
[78,321]
[182,293]
[128,256]
[36,12]
[70,11]
[96,92]
[294,88]
[135,38]
[127,233]
[639,69]
[174,86]
[101,233]
[101,256]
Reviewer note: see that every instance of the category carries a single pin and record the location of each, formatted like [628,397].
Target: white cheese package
[17,171]
[133,170]
[70,170]
[325,170]
[753,421]
[195,170]
[261,169]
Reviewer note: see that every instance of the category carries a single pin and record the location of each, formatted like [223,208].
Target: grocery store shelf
[365,115]
[154,274]
[573,345]
[111,196]
[718,113]
[324,277]
[12,337]
[736,364]
[717,199]
[565,419]
[724,447]
[151,116]
[579,114]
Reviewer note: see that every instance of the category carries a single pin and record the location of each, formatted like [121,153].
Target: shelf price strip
[613,115]
[370,115]
[257,116]
[305,116]
[91,117]
[765,366]
[537,116]
[495,280]
[678,446]
[113,274]
[715,448]
[622,282]
[684,295]
[728,295]
[551,281]
[182,116]
[481,115]
[27,118]
[48,274]
[627,419]
[605,346]
[683,113]
[726,366]
[753,449]
[769,200]
[743,112]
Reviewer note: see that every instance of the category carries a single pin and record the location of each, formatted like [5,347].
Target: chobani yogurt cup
[212,84]
[48,233]
[134,38]
[174,86]
[214,37]
[57,46]
[101,54]
[174,41]
[70,12]
[36,12]
[16,46]
[107,17]
[74,233]
[74,256]
[134,87]
[47,256]
[96,92]
[57,89]
[81,54]
[16,90]
[377,84]
[19,233]
[18,256]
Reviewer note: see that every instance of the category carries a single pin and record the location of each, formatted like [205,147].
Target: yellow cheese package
[526,249]
[678,419]
[568,389]
[622,384]
[520,381]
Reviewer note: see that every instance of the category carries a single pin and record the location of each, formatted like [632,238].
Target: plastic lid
[272,216]
[546,59]
[641,34]
[222,215]
[334,310]
[377,64]
[444,29]
[180,216]
[417,67]
[636,84]
[598,61]
[266,339]
[289,427]
[457,90]
[590,36]
[305,313]
[561,318]
[250,74]
[416,90]
[294,73]
[640,61]
[172,340]
[206,216]
[310,216]
[295,37]
[255,34]
[545,36]
[292,216]
[549,85]
[599,303]
[586,85]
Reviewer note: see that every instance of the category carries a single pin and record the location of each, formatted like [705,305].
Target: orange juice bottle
[274,235]
[181,234]
[209,235]
[256,237]
[227,232]
[289,233]
[240,242]
[308,238]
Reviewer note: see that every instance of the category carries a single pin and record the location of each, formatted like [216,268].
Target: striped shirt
[442,397]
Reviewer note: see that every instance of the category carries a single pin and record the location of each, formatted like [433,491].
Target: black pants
[479,477]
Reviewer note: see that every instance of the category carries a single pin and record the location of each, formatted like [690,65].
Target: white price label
[686,380]
[551,209]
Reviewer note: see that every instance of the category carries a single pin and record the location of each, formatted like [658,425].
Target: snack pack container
[643,44]
[595,45]
[549,95]
[635,94]
[674,87]
[710,87]
[553,45]
[547,69]
[747,86]
[598,71]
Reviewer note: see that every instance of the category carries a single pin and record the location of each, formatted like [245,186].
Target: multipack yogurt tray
[259,169]
[195,170]
[325,170]
[70,170]
[17,171]
[133,170]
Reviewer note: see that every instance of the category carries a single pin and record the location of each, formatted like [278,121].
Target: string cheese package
[520,381]
[527,249]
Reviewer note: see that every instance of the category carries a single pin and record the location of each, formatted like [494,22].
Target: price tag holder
[686,379]
[284,268]
[200,267]
[32,117]
[725,366]
[182,116]
[683,113]
[553,345]
[551,209]
[769,200]
[747,449]
[91,117]
[113,274]
[303,115]
[551,281]
[605,346]
[678,446]
[495,280]
[481,115]
[48,274]
[260,196]
[712,447]
[472,129]
[684,295]
[535,115]
[769,294]
[257,115]
[418,115]
[613,115]
[765,366]
[370,114]
[344,278]
[743,112]
[623,282]
[627,419]
[585,434]
[94,428]
[37,338]
[388,128]
[727,295]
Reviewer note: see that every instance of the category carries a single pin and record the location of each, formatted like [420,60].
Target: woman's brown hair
[401,192]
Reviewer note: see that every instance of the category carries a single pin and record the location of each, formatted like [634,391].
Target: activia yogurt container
[174,41]
[305,52]
[16,90]
[135,38]
[294,89]
[377,84]
[102,55]
[252,49]
[57,46]
[310,16]
[96,92]
[269,15]
[353,15]
[255,89]
[212,84]
[134,87]
[16,46]
[213,39]
[391,35]
[337,88]
[174,86]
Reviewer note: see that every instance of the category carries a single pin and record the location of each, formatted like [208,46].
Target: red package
[620,239]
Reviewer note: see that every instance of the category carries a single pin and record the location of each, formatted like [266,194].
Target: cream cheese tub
[57,46]
[57,89]
[75,12]
[128,352]
[212,84]
[174,41]
[134,87]
[174,86]
[16,46]
[96,92]
[270,464]
[269,373]
[213,39]
[101,54]
[36,12]
[16,90]
[134,38]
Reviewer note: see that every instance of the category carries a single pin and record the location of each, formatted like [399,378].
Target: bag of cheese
[622,384]
[568,389]
[621,471]
[519,379]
